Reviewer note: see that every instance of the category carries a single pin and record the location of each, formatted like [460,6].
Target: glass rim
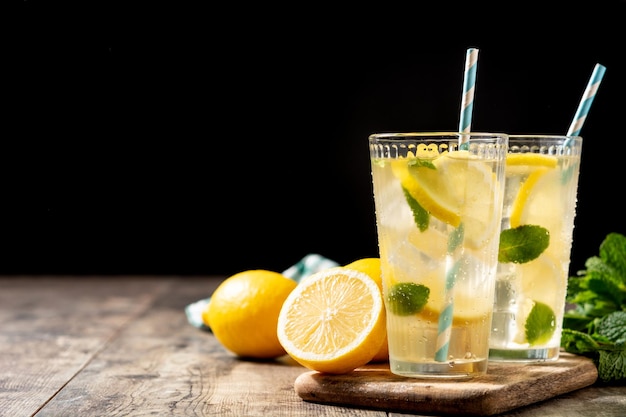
[542,136]
[434,134]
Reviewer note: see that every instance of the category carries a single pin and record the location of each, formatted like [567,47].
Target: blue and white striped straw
[444,328]
[586,100]
[469,82]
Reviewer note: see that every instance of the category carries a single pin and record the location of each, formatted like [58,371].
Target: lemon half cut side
[333,321]
[372,267]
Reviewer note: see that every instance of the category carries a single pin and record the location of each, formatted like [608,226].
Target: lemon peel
[243,312]
[522,195]
[531,159]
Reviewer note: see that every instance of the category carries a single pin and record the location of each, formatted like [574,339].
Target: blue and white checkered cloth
[308,265]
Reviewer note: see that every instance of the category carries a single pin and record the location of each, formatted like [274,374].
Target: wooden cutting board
[503,388]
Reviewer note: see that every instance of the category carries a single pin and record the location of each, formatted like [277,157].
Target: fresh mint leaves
[420,215]
[407,298]
[540,324]
[523,244]
[596,324]
[418,162]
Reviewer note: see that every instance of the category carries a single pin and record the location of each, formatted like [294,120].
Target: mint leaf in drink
[596,324]
[456,238]
[418,162]
[523,243]
[540,324]
[407,298]
[420,215]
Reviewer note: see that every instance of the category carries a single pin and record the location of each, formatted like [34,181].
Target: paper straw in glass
[586,100]
[467,104]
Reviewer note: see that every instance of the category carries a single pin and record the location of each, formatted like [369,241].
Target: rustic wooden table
[122,346]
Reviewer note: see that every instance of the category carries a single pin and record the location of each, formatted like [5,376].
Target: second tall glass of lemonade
[438,200]
[535,244]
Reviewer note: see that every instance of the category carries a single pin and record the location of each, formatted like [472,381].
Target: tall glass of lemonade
[438,201]
[535,244]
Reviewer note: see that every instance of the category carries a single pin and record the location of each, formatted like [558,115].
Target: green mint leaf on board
[420,215]
[407,298]
[594,324]
[523,244]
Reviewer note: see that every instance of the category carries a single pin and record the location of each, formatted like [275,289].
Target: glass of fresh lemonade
[438,200]
[535,244]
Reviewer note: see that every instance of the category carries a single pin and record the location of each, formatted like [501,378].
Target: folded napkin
[308,265]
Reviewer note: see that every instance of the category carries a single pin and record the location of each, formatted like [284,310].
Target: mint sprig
[596,324]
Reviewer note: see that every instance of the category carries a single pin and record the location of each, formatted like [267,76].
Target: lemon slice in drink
[525,190]
[454,188]
[333,321]
[537,202]
[530,159]
[543,288]
[439,206]
[467,306]
[431,242]
[543,280]
[528,199]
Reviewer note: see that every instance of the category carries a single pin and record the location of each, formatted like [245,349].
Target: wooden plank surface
[374,386]
[122,346]
[50,329]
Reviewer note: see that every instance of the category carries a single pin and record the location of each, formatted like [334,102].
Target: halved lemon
[455,188]
[372,267]
[333,321]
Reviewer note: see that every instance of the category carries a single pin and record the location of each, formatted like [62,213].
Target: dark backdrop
[213,139]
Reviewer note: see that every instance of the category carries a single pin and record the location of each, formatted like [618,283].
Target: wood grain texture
[122,346]
[503,388]
[50,330]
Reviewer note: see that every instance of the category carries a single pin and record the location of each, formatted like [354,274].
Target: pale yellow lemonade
[537,228]
[438,213]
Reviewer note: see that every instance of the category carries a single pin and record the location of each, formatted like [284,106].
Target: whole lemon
[371,266]
[243,312]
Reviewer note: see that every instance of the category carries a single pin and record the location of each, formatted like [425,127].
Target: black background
[196,140]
